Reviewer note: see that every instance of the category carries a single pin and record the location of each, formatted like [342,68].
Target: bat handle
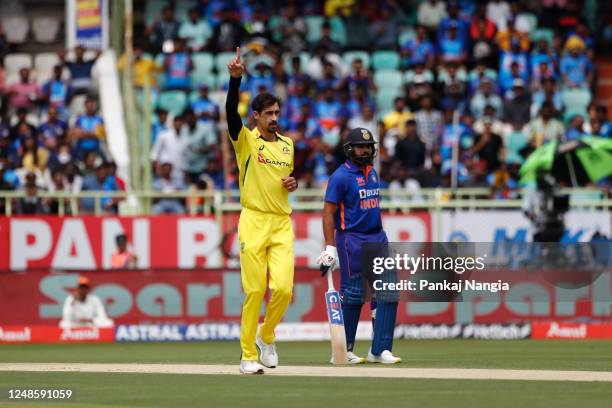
[330,280]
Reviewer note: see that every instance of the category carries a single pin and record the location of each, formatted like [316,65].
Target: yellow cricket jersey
[261,166]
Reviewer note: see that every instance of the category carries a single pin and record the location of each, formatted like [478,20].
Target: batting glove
[328,259]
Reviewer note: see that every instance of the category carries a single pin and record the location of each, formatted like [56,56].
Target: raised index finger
[238,54]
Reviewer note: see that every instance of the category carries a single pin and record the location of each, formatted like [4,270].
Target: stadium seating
[222,59]
[182,7]
[385,60]
[45,28]
[203,62]
[338,31]
[44,63]
[313,24]
[405,35]
[349,56]
[388,79]
[14,62]
[16,28]
[174,102]
[576,100]
[384,100]
[543,34]
[304,58]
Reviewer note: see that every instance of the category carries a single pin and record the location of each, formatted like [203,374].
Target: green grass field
[113,389]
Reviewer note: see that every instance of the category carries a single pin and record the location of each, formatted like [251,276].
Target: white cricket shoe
[351,358]
[267,353]
[251,367]
[385,358]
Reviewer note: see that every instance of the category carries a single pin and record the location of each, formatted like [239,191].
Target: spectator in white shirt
[430,13]
[171,147]
[84,309]
[499,12]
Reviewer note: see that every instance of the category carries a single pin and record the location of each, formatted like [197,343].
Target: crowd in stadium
[495,78]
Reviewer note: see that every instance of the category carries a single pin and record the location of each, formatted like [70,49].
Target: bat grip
[330,280]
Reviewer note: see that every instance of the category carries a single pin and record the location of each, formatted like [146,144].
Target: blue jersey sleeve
[336,188]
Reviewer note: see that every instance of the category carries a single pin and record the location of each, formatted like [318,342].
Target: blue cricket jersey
[357,194]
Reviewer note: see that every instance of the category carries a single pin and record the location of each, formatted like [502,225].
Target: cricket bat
[336,321]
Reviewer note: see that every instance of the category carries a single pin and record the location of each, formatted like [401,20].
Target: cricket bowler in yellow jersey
[265,164]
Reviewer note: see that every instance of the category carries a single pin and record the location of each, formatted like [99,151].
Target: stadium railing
[218,202]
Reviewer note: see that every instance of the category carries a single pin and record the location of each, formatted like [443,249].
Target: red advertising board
[214,295]
[161,242]
[53,334]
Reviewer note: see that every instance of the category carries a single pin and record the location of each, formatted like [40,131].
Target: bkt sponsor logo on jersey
[369,198]
[264,160]
[333,308]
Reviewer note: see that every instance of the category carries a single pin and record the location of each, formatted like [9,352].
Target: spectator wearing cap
[418,50]
[123,258]
[100,181]
[83,309]
[167,183]
[163,31]
[25,93]
[228,33]
[88,132]
[80,69]
[171,147]
[483,97]
[517,105]
[57,92]
[204,108]
[195,30]
[545,127]
[430,13]
[576,68]
[178,66]
[145,69]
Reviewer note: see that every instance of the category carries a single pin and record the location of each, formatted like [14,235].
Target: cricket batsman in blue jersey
[351,217]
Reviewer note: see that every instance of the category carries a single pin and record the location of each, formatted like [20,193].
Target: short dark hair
[263,101]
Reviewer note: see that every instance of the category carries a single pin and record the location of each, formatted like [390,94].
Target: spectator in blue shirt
[575,130]
[57,92]
[454,19]
[355,103]
[261,78]
[358,78]
[292,108]
[329,110]
[88,130]
[178,66]
[80,69]
[53,131]
[576,67]
[205,109]
[452,48]
[514,55]
[99,181]
[419,50]
[297,76]
[330,79]
[508,78]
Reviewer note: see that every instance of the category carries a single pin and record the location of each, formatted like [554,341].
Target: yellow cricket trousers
[266,245]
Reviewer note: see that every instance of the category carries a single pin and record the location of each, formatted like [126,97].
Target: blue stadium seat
[385,60]
[349,56]
[174,102]
[388,79]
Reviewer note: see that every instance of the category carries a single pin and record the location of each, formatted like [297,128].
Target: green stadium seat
[304,59]
[388,79]
[174,102]
[542,34]
[222,79]
[313,24]
[203,61]
[199,77]
[222,59]
[576,100]
[385,60]
[349,56]
[338,30]
[384,100]
[405,35]
[533,21]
